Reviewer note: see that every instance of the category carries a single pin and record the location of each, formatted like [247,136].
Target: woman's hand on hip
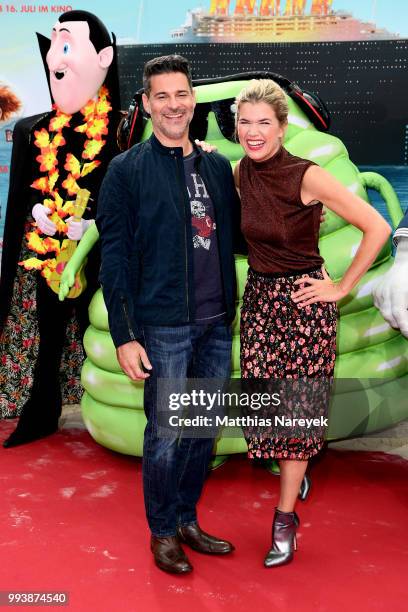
[317,290]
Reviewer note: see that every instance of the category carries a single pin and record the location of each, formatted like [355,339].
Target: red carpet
[72,519]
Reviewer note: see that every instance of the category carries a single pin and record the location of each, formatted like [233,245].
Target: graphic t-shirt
[207,272]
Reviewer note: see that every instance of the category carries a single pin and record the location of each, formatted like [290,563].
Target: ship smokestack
[219,7]
[269,8]
[295,7]
[321,7]
[245,7]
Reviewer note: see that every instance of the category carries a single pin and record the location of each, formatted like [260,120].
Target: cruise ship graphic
[274,21]
[358,69]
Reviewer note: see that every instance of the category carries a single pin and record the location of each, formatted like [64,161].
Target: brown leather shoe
[202,542]
[169,556]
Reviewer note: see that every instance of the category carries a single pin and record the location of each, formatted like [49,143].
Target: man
[54,155]
[168,280]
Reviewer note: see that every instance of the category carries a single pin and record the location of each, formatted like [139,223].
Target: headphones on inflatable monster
[132,125]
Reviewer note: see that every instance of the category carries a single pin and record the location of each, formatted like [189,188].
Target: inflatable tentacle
[373,180]
[85,245]
[372,366]
[79,256]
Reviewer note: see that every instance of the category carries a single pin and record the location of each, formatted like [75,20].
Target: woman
[289,312]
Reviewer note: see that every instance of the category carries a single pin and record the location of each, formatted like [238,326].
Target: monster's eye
[66,49]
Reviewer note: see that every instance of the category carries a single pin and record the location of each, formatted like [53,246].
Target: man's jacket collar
[171,151]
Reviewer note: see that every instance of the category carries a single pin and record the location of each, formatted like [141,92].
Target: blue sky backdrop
[158,17]
[144,21]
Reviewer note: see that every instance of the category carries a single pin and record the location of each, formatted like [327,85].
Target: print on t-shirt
[201,221]
[209,301]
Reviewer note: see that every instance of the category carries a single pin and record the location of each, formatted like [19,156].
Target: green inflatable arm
[373,180]
[85,245]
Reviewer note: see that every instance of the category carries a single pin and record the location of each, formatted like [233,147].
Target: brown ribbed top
[282,233]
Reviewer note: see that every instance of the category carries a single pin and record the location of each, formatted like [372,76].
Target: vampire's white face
[76,70]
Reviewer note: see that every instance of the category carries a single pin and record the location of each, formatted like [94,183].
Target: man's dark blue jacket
[144,222]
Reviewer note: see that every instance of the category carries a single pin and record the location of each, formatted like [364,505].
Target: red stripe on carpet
[72,519]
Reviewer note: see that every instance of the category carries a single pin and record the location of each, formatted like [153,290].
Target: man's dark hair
[166,65]
[98,34]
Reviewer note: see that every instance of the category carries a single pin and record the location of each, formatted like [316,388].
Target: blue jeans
[174,468]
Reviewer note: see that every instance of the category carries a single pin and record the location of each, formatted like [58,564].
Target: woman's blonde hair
[265,90]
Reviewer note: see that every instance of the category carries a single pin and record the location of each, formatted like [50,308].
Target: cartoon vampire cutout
[56,155]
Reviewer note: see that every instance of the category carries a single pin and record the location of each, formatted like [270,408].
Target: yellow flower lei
[95,126]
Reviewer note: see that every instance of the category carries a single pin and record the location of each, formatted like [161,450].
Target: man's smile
[173,115]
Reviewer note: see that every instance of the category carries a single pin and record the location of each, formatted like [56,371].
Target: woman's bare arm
[318,184]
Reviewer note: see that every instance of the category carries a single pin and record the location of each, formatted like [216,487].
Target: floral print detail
[96,123]
[280,340]
[20,342]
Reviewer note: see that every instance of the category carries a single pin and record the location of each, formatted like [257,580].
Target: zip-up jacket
[144,222]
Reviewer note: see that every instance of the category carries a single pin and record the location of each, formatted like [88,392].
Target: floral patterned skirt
[19,342]
[281,340]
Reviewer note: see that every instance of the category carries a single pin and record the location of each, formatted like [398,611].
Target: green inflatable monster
[372,365]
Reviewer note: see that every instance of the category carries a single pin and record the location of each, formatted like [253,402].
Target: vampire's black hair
[98,34]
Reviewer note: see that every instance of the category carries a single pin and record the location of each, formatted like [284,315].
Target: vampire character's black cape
[19,198]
